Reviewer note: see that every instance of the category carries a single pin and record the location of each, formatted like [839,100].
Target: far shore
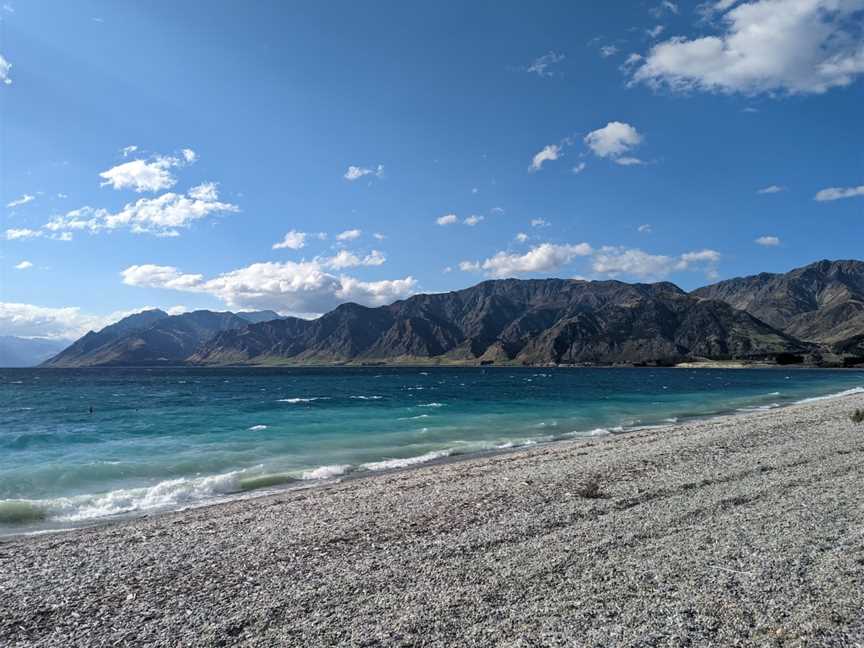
[738,530]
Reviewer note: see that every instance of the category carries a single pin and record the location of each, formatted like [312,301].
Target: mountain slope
[822,302]
[533,321]
[27,352]
[151,337]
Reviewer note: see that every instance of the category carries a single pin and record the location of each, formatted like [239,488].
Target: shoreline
[732,499]
[276,484]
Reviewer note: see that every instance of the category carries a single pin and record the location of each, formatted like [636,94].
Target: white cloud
[5,69]
[545,257]
[836,193]
[24,265]
[794,46]
[539,222]
[628,161]
[301,288]
[629,62]
[379,236]
[614,261]
[541,66]
[23,200]
[655,31]
[613,141]
[608,50]
[645,228]
[473,219]
[22,233]
[143,175]
[28,320]
[579,168]
[771,189]
[665,6]
[345,259]
[160,216]
[447,219]
[355,172]
[126,151]
[522,237]
[550,152]
[349,235]
[767,241]
[293,241]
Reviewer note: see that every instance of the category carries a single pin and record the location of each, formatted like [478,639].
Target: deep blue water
[168,438]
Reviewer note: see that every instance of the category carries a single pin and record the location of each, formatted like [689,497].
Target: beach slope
[744,530]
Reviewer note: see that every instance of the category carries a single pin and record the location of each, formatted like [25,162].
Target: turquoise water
[164,439]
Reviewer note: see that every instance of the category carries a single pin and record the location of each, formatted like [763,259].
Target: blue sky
[645,141]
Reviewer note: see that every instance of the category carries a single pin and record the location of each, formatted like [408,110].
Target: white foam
[388,464]
[326,472]
[671,419]
[255,428]
[413,418]
[301,400]
[846,392]
[759,408]
[169,494]
[432,405]
[367,397]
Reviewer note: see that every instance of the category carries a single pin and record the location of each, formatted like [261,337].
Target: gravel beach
[740,531]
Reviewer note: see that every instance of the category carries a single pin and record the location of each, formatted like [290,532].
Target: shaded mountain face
[533,321]
[148,338]
[27,352]
[822,302]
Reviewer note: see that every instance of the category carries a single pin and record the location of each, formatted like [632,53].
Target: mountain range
[812,315]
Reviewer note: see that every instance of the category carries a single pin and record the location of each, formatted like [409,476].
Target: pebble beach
[743,530]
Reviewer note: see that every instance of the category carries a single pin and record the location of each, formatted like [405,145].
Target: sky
[294,156]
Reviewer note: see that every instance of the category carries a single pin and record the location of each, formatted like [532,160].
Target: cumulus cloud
[541,65]
[304,287]
[147,175]
[579,168]
[613,141]
[447,219]
[645,228]
[349,235]
[608,50]
[356,172]
[655,31]
[768,241]
[521,237]
[345,259]
[772,189]
[126,151]
[472,220]
[293,240]
[22,233]
[68,323]
[539,222]
[545,257]
[550,152]
[23,200]
[836,193]
[161,216]
[5,69]
[792,46]
[616,260]
[24,265]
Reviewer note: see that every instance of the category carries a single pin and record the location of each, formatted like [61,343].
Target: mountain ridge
[753,319]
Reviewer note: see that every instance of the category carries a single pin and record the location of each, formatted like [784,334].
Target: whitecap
[388,464]
[301,400]
[413,418]
[845,392]
[256,428]
[367,397]
[431,405]
[327,472]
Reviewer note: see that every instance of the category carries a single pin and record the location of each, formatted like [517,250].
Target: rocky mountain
[822,302]
[151,337]
[27,352]
[522,321]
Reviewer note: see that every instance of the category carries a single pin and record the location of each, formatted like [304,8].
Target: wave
[255,428]
[845,392]
[431,405]
[389,464]
[302,400]
[413,418]
[326,472]
[366,397]
[758,408]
